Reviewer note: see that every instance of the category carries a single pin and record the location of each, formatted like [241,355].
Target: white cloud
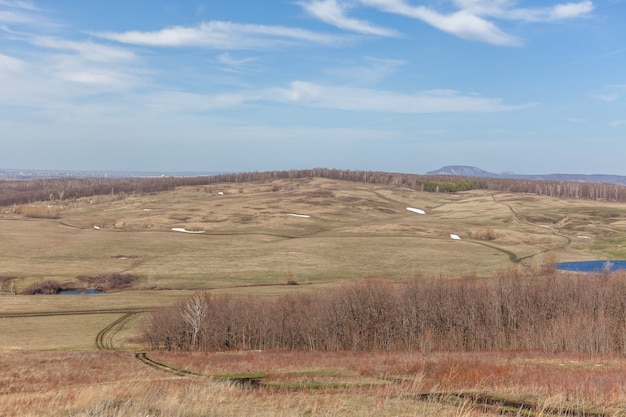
[611,93]
[505,9]
[10,64]
[25,14]
[332,12]
[470,21]
[362,99]
[606,97]
[26,5]
[461,23]
[89,50]
[228,59]
[222,35]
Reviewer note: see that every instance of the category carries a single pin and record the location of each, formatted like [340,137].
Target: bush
[46,287]
[39,212]
[108,282]
[514,311]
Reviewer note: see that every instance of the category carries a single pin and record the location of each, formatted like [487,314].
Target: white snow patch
[96,227]
[183,230]
[147,209]
[416,210]
[298,215]
[220,193]
[583,237]
[455,237]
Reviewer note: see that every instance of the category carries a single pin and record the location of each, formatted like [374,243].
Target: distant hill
[470,171]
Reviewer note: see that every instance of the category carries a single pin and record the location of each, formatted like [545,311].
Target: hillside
[312,230]
[470,171]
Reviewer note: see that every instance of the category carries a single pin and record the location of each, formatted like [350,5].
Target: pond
[75,292]
[592,266]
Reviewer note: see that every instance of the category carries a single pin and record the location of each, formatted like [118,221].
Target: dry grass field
[250,239]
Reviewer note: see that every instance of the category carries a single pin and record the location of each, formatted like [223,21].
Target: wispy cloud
[89,50]
[611,93]
[576,120]
[471,20]
[334,13]
[368,71]
[25,5]
[222,35]
[462,23]
[617,123]
[9,64]
[505,9]
[23,14]
[363,99]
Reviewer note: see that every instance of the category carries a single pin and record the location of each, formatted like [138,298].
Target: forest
[14,192]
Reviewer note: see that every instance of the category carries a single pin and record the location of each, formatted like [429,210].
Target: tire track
[143,357]
[75,312]
[104,338]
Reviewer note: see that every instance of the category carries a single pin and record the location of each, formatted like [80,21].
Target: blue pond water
[74,292]
[591,266]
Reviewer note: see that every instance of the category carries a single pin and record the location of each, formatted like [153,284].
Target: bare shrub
[39,212]
[46,287]
[486,234]
[512,311]
[108,282]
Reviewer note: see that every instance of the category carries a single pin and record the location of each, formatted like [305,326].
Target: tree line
[23,192]
[544,311]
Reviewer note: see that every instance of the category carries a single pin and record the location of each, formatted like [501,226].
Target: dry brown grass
[354,230]
[306,383]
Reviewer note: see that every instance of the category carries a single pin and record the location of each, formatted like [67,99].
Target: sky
[531,87]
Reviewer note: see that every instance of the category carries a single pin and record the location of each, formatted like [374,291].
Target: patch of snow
[183,230]
[147,209]
[416,210]
[583,237]
[220,193]
[298,215]
[96,227]
[455,237]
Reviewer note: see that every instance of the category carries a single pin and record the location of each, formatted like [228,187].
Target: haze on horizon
[390,85]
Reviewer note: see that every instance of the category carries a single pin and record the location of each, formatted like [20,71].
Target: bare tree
[194,312]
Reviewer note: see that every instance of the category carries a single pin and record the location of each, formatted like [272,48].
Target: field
[75,355]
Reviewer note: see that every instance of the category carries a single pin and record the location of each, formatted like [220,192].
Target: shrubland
[540,311]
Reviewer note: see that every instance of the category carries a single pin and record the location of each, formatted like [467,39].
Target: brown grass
[306,383]
[251,247]
[354,230]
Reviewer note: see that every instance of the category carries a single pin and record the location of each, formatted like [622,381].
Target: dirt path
[104,338]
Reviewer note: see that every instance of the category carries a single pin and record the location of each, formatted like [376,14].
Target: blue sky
[391,85]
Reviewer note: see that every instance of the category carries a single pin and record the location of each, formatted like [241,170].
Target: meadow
[271,238]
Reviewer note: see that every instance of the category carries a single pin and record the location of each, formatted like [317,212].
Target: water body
[75,292]
[592,266]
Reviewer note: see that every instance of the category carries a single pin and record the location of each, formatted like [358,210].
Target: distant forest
[23,192]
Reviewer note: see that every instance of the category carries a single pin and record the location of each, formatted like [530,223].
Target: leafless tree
[194,312]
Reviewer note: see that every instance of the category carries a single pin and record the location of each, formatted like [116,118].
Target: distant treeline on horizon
[23,192]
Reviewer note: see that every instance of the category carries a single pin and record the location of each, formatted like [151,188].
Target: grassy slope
[355,230]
